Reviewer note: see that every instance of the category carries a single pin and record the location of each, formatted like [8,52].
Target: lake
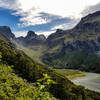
[90,81]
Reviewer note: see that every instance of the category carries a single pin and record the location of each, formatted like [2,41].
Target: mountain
[19,75]
[86,29]
[31,39]
[7,32]
[77,48]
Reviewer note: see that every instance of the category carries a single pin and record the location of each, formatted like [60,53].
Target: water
[90,81]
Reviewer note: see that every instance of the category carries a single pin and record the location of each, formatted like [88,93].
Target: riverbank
[70,74]
[88,80]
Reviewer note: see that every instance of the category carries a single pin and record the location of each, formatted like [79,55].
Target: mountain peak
[59,30]
[7,32]
[88,24]
[31,34]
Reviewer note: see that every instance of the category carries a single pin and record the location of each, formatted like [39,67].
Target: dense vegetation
[31,71]
[13,87]
[75,60]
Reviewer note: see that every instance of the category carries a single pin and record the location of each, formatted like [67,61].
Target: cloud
[10,4]
[32,11]
[20,33]
[91,9]
[67,25]
[50,22]
[37,19]
[49,14]
[46,33]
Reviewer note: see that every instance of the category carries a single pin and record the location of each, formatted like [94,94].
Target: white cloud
[66,26]
[46,33]
[59,7]
[91,9]
[10,4]
[30,9]
[20,33]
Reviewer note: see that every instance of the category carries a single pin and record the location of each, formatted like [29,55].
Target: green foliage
[44,84]
[13,87]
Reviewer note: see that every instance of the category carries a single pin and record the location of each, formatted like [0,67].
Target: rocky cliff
[7,32]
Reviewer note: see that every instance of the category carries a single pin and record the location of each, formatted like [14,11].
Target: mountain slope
[83,41]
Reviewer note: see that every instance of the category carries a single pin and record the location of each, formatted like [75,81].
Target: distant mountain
[7,32]
[31,39]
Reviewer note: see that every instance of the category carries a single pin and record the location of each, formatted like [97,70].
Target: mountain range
[64,48]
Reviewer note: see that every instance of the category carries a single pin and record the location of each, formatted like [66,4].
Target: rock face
[84,37]
[89,46]
[30,35]
[87,29]
[87,34]
[90,23]
[7,32]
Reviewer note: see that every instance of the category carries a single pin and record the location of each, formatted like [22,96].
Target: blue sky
[6,18]
[44,16]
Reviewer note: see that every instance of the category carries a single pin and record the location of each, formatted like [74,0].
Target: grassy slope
[34,54]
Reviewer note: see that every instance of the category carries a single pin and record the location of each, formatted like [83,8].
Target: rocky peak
[31,39]
[6,31]
[31,34]
[59,30]
[89,23]
[57,34]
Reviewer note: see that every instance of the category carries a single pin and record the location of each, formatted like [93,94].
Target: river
[90,81]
